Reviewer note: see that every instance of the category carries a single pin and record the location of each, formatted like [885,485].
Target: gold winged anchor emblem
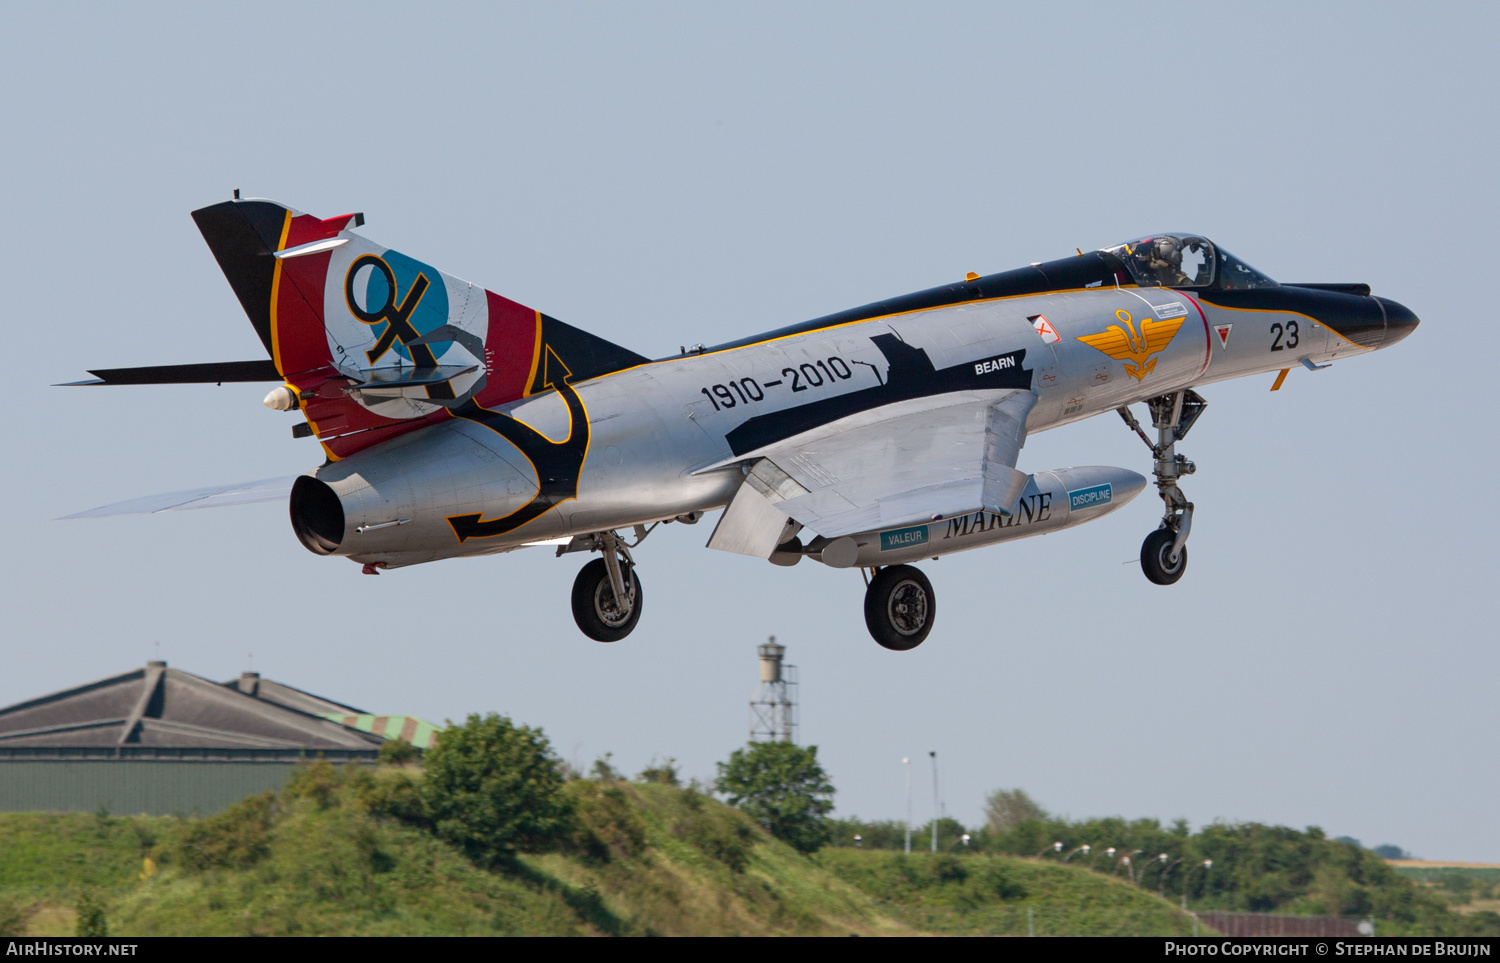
[1121,342]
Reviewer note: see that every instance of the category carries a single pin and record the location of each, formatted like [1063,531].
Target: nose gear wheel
[1158,560]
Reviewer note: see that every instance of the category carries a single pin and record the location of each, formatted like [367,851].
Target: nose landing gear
[1164,553]
[899,607]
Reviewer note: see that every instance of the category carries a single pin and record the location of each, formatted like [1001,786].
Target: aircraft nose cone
[1399,321]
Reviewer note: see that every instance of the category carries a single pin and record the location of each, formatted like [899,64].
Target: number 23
[1290,332]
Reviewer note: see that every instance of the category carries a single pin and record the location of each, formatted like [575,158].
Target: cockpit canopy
[1186,261]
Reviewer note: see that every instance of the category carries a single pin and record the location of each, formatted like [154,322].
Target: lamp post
[965,838]
[1207,865]
[1084,849]
[906,761]
[1128,864]
[1054,848]
[936,806]
[1161,859]
[1161,881]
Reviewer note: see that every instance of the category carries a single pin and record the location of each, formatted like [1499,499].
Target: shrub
[782,787]
[880,834]
[391,794]
[13,917]
[493,788]
[717,833]
[605,824]
[603,770]
[666,773]
[91,919]
[398,752]
[318,781]
[234,839]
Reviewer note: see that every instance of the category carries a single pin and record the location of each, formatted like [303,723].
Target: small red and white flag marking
[1044,329]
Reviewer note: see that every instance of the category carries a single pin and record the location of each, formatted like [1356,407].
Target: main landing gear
[899,607]
[607,593]
[1164,553]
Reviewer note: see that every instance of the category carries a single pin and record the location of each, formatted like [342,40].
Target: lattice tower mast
[773,711]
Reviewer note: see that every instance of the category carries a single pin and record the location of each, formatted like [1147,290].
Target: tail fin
[377,343]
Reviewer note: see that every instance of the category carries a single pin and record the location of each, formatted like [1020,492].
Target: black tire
[899,607]
[1156,560]
[593,603]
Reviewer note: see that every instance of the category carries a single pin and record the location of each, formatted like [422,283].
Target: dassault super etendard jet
[457,422]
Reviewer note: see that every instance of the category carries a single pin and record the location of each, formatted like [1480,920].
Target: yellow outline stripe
[1325,324]
[286,228]
[878,317]
[536,354]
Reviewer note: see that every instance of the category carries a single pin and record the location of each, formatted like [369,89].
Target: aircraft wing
[897,465]
[218,496]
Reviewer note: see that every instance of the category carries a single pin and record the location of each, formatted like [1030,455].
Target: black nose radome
[1399,321]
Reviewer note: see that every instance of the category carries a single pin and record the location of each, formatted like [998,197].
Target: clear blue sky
[669,174]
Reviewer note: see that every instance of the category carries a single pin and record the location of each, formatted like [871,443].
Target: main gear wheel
[899,607]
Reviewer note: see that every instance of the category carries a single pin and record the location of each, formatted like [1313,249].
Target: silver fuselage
[659,434]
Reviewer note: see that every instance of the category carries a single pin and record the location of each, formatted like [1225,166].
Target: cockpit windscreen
[1168,260]
[1186,261]
[1236,275]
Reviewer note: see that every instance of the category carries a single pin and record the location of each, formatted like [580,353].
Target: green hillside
[641,859]
[975,895]
[1469,890]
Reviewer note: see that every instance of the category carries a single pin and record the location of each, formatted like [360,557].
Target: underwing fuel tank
[390,505]
[1050,502]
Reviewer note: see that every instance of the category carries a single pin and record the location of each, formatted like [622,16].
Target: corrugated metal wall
[126,787]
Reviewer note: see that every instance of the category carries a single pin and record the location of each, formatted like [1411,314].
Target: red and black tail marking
[585,355]
[242,235]
[299,293]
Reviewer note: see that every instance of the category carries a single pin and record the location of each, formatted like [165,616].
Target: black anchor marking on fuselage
[558,464]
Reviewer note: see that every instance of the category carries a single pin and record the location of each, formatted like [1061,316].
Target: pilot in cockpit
[1161,261]
[1164,260]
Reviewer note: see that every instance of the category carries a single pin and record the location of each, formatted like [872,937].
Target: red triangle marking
[1223,332]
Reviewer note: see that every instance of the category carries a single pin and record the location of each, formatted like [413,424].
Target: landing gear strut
[899,607]
[1164,553]
[607,594]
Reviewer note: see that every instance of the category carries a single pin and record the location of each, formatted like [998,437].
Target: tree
[398,752]
[782,787]
[493,788]
[1004,809]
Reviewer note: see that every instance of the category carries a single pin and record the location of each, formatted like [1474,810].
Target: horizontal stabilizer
[219,496]
[412,377]
[214,372]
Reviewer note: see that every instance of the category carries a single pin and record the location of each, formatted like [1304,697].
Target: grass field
[1467,887]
